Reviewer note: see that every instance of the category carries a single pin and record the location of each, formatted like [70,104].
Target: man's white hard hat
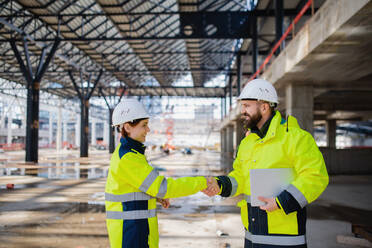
[128,110]
[259,89]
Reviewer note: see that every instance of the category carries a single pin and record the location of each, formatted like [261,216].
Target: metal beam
[84,94]
[33,89]
[258,13]
[279,19]
[255,50]
[239,73]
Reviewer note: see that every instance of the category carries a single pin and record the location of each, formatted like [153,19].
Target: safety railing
[290,28]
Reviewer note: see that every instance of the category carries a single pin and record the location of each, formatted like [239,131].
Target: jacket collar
[274,124]
[262,132]
[130,143]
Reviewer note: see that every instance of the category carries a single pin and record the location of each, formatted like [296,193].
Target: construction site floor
[60,203]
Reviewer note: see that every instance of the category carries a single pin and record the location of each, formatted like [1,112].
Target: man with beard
[273,142]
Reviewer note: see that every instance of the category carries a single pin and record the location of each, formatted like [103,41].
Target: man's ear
[265,107]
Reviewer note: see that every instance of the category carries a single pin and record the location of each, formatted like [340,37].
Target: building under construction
[65,65]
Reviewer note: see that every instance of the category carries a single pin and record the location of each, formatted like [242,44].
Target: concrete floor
[60,203]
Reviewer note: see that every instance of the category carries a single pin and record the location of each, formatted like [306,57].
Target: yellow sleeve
[311,172]
[137,172]
[236,177]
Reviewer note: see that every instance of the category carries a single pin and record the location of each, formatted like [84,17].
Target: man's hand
[270,204]
[212,187]
[164,202]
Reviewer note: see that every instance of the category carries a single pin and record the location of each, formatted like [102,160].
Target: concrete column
[2,118]
[94,137]
[299,103]
[239,133]
[77,130]
[230,145]
[331,133]
[9,128]
[50,128]
[223,137]
[106,135]
[65,138]
[59,128]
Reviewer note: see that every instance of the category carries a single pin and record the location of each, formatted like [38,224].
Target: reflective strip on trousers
[275,240]
[247,198]
[131,215]
[149,180]
[134,196]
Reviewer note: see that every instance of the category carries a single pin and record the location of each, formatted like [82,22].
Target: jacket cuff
[225,184]
[287,202]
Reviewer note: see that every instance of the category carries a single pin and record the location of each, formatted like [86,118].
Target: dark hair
[132,124]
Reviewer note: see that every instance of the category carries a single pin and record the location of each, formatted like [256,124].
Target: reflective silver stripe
[234,186]
[275,240]
[135,196]
[300,198]
[148,181]
[247,198]
[162,189]
[131,215]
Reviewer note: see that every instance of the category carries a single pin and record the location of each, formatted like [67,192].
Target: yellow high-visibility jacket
[285,145]
[130,196]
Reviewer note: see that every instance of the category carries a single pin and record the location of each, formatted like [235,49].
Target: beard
[252,120]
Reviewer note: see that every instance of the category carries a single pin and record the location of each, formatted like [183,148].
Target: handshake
[211,190]
[212,187]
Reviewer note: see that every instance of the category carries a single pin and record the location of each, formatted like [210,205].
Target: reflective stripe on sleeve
[247,198]
[162,189]
[131,215]
[275,240]
[300,198]
[148,181]
[234,186]
[135,196]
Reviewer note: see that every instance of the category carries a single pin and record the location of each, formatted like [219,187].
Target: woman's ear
[127,128]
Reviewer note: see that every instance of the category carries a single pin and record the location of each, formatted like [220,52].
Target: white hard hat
[259,89]
[128,110]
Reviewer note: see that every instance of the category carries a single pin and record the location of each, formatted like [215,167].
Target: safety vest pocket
[280,223]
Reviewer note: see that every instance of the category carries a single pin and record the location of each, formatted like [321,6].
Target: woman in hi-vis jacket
[133,186]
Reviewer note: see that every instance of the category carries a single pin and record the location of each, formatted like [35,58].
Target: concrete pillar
[94,137]
[65,138]
[106,135]
[9,128]
[77,130]
[2,118]
[299,103]
[50,128]
[59,128]
[223,137]
[239,133]
[230,145]
[331,133]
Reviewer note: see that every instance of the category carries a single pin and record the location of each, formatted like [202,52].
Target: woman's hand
[164,202]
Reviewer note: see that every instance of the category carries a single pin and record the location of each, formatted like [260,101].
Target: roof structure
[141,47]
